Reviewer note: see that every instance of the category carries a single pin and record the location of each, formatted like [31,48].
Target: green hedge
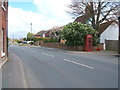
[47,40]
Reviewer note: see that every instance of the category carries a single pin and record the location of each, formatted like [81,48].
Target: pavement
[43,67]
[3,61]
[0,79]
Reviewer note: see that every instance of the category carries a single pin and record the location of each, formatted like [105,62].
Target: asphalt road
[42,67]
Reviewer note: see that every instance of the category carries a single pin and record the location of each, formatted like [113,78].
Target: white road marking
[79,64]
[49,48]
[35,51]
[23,73]
[48,54]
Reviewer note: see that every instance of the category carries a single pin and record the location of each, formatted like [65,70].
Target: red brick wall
[4,25]
[63,46]
[0,29]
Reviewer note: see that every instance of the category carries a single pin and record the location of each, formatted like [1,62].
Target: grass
[110,50]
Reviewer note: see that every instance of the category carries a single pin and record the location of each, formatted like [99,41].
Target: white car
[27,42]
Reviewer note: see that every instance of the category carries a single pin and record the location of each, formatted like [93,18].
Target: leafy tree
[30,36]
[96,12]
[24,39]
[74,34]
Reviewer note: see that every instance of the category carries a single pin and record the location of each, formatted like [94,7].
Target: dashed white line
[35,51]
[49,48]
[79,64]
[48,54]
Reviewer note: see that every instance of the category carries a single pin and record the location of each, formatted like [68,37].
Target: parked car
[27,42]
[24,42]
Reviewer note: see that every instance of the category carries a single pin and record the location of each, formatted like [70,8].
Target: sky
[43,14]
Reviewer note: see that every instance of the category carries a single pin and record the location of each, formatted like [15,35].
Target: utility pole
[13,37]
[31,27]
[118,15]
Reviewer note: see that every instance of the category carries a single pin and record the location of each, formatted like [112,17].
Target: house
[47,33]
[55,32]
[111,33]
[109,37]
[40,34]
[43,34]
[107,30]
[3,31]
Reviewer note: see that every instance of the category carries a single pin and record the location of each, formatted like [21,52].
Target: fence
[111,45]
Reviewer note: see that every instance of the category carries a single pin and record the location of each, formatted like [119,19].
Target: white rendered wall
[111,33]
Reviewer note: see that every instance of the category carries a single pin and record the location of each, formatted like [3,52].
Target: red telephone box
[88,43]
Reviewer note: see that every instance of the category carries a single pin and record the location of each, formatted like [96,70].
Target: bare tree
[97,13]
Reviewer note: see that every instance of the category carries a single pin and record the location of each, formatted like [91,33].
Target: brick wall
[0,28]
[63,46]
[3,27]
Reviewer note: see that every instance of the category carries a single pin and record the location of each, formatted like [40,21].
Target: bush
[41,39]
[46,40]
[53,40]
[75,33]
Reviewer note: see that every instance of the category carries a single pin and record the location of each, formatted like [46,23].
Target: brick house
[39,34]
[43,34]
[3,30]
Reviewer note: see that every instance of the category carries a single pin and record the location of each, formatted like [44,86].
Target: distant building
[42,34]
[55,32]
[47,33]
[3,30]
[39,34]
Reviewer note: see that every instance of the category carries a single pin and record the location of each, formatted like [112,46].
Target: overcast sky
[44,14]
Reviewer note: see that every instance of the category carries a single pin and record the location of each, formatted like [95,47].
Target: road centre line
[48,54]
[79,64]
[49,48]
[35,51]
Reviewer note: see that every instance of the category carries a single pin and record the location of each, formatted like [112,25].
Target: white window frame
[3,54]
[3,5]
[43,35]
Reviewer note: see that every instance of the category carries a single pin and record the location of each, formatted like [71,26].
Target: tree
[96,12]
[30,36]
[74,34]
[24,39]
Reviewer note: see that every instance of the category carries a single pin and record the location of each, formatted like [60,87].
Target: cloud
[50,13]
[52,7]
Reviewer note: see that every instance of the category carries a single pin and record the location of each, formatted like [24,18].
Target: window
[3,54]
[3,5]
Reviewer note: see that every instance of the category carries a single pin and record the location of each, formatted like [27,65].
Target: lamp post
[31,27]
[118,15]
[119,37]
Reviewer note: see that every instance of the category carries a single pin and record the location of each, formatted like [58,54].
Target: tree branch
[108,12]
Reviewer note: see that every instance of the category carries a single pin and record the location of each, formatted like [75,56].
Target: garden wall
[63,46]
